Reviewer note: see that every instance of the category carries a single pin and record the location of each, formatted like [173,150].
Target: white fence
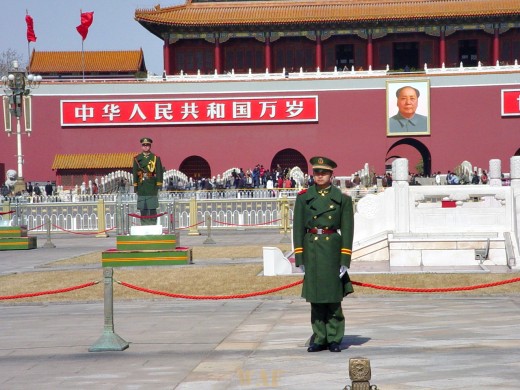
[442,213]
[336,73]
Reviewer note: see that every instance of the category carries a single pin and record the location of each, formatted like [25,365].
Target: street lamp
[17,88]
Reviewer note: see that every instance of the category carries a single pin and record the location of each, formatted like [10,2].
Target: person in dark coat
[148,180]
[48,189]
[323,230]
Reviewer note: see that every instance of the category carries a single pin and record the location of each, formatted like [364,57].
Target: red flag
[86,20]
[31,37]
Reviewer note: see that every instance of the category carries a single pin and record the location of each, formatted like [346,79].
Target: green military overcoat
[148,180]
[323,254]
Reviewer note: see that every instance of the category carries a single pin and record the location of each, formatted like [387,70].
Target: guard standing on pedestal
[148,180]
[323,230]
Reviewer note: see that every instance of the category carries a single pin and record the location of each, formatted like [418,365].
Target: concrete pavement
[414,342]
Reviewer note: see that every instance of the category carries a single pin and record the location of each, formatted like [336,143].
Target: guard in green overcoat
[323,230]
[148,180]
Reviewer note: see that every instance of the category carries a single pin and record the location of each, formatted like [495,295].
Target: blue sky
[55,21]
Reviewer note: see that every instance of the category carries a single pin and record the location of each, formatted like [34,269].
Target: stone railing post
[495,172]
[402,195]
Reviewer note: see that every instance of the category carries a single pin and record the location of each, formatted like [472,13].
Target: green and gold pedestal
[146,250]
[15,238]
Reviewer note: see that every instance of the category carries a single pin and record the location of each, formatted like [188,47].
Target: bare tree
[6,61]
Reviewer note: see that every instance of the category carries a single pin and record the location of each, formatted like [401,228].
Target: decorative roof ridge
[126,154]
[140,50]
[158,8]
[93,160]
[285,3]
[208,15]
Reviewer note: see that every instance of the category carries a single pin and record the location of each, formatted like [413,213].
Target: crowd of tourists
[257,177]
[453,178]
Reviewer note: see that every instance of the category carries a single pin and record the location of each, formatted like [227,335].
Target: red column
[370,50]
[218,62]
[166,56]
[496,46]
[318,52]
[267,53]
[442,47]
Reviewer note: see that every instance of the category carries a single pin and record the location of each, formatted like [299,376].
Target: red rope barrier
[368,285]
[37,227]
[81,233]
[436,290]
[213,297]
[187,227]
[258,293]
[37,294]
[255,224]
[6,212]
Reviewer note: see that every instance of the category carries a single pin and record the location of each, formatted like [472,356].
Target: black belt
[321,231]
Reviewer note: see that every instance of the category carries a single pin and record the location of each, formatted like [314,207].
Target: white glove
[302,267]
[342,270]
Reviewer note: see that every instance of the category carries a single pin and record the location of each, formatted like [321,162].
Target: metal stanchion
[109,341]
[48,243]
[18,217]
[171,224]
[126,218]
[209,240]
[169,218]
[360,373]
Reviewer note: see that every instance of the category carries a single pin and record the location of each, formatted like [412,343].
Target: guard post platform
[145,246]
[13,229]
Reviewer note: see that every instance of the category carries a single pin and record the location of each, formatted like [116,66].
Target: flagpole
[82,51]
[83,60]
[29,57]
[28,49]
[85,22]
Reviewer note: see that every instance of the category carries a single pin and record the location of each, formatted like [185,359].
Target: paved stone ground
[414,342]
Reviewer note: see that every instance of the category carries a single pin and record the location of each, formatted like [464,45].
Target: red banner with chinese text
[129,112]
[511,102]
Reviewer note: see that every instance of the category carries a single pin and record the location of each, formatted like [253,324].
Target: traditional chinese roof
[93,161]
[56,62]
[222,14]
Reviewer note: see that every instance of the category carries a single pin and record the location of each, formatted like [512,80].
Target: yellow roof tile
[93,161]
[95,61]
[318,11]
